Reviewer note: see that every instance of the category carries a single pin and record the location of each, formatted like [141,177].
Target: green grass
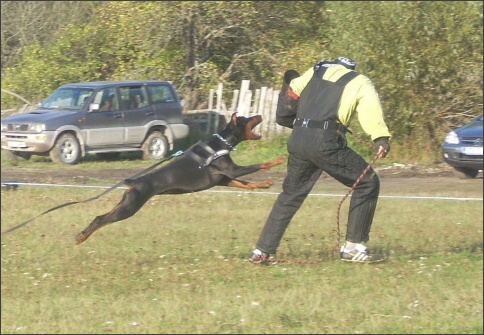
[179,266]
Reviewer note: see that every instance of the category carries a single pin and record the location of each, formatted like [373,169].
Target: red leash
[380,152]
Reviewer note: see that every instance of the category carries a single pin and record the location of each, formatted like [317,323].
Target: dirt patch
[413,177]
[80,176]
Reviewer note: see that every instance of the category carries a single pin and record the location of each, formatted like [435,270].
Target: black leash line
[178,153]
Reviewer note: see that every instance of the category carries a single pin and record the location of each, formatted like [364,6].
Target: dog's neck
[225,141]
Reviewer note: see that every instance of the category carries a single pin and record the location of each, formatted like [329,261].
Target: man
[318,106]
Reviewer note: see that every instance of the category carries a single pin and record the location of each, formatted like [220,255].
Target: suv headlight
[452,138]
[36,127]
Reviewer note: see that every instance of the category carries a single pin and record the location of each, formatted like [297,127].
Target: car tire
[465,173]
[155,146]
[66,150]
[17,156]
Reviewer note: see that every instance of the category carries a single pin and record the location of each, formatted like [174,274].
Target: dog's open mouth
[254,122]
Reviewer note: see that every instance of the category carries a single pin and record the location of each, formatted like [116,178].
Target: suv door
[104,127]
[138,113]
[165,102]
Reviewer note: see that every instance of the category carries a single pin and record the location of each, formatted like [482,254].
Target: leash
[365,171]
[178,153]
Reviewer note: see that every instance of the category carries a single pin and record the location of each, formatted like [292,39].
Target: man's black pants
[312,151]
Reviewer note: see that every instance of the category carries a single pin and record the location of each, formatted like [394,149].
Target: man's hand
[383,143]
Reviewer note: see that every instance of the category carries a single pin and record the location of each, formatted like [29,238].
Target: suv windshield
[68,98]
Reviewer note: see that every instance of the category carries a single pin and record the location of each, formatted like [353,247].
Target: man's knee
[369,186]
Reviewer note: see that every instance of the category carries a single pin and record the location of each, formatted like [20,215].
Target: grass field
[179,266]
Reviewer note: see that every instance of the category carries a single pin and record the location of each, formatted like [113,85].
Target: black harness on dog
[204,154]
[207,154]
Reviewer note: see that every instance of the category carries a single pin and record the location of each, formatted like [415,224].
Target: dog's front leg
[274,162]
[249,185]
[238,171]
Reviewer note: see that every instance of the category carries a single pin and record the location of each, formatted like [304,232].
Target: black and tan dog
[204,165]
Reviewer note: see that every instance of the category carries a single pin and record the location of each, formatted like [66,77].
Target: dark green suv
[105,118]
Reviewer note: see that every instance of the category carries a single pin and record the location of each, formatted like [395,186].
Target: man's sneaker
[259,257]
[360,254]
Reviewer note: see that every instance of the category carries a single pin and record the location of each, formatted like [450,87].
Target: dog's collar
[231,147]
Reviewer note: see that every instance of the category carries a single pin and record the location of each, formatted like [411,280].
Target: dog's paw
[280,159]
[265,184]
[80,238]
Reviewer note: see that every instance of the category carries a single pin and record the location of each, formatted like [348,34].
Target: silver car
[105,118]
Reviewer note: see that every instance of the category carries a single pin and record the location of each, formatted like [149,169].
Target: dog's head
[241,127]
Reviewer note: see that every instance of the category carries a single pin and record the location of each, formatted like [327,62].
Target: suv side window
[133,97]
[107,100]
[71,98]
[161,94]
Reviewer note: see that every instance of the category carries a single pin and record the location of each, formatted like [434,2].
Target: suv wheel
[155,146]
[66,150]
[17,155]
[465,173]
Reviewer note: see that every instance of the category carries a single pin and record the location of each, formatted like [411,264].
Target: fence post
[220,88]
[234,101]
[244,90]
[265,104]
[267,112]
[210,98]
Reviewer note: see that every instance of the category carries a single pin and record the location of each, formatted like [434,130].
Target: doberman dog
[204,165]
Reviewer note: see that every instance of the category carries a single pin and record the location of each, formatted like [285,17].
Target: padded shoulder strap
[346,78]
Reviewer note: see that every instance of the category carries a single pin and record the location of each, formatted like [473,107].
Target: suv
[105,118]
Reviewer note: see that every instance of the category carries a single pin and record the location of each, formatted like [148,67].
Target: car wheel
[17,155]
[155,146]
[465,173]
[66,150]
[109,156]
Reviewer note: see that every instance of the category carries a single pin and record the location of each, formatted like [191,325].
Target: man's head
[346,62]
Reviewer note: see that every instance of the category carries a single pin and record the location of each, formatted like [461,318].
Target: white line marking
[259,192]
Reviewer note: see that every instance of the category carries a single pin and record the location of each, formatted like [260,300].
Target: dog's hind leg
[131,202]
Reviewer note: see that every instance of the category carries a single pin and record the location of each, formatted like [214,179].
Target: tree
[425,58]
[32,22]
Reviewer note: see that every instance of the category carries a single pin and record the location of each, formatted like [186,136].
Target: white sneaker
[360,254]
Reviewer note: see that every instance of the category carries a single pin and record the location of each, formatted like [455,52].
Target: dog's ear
[233,119]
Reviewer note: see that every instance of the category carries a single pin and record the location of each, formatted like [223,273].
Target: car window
[133,97]
[67,98]
[107,100]
[161,94]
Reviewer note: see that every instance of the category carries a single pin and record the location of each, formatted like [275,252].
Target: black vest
[320,98]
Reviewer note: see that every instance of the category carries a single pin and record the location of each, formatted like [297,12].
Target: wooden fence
[245,102]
